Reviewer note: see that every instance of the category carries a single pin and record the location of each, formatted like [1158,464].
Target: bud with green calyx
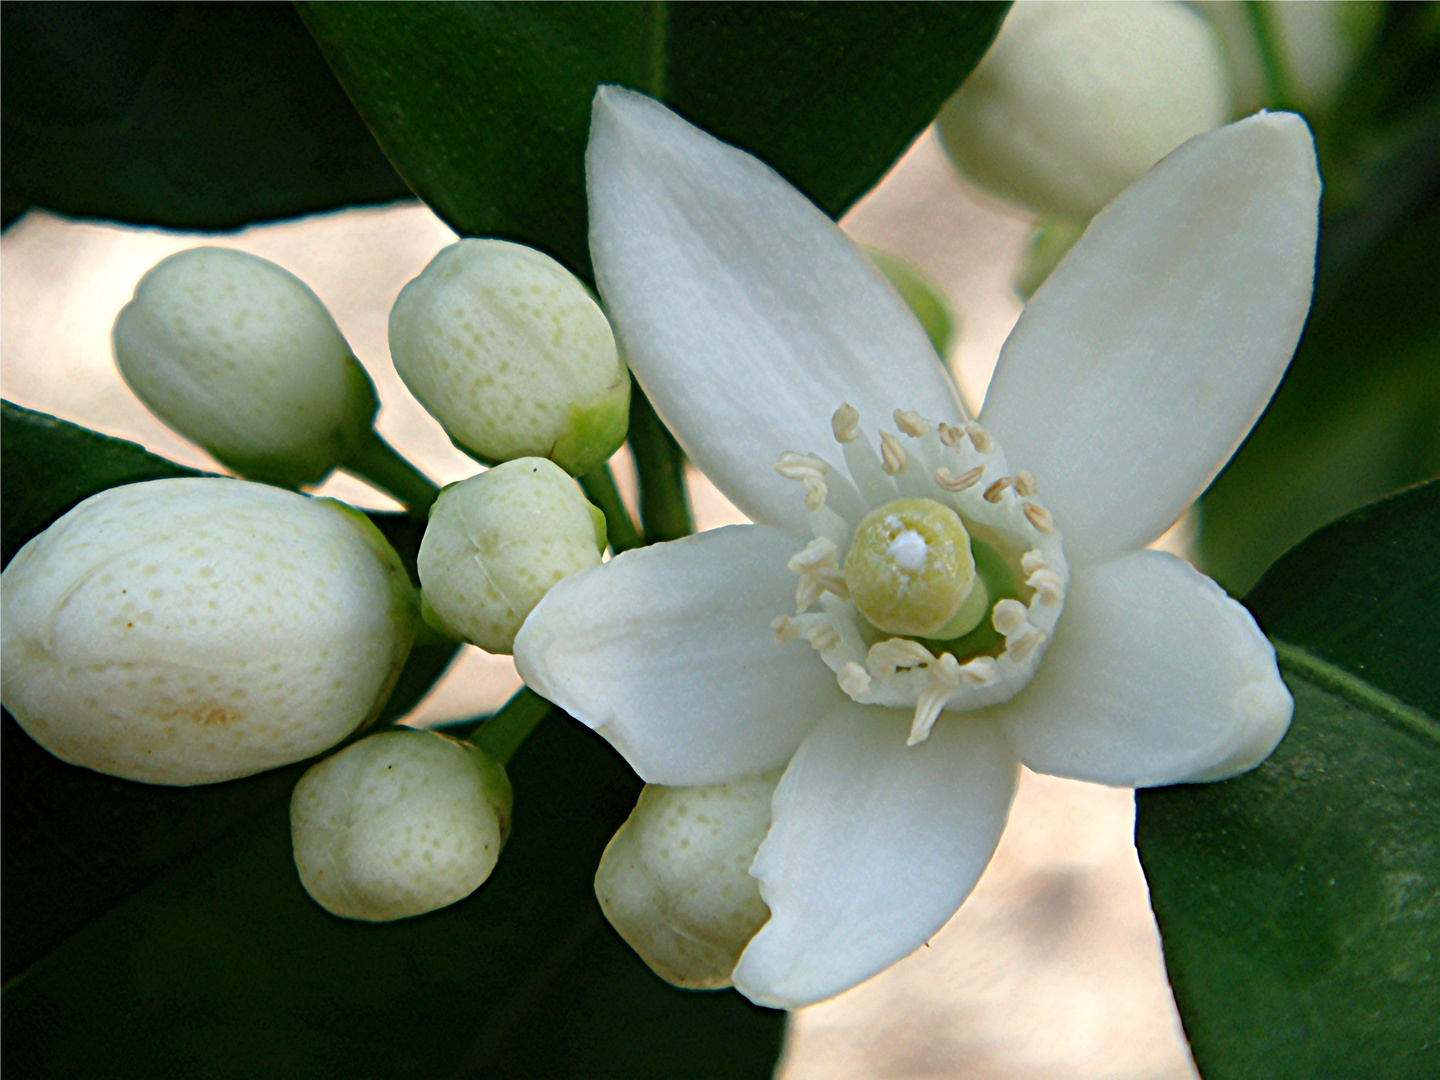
[398,824]
[675,880]
[497,542]
[511,353]
[1075,100]
[195,630]
[922,296]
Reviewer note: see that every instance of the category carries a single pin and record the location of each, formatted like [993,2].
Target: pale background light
[1051,970]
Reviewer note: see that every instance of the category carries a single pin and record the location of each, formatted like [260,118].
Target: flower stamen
[911,423]
[846,424]
[980,437]
[892,454]
[996,491]
[1040,518]
[955,484]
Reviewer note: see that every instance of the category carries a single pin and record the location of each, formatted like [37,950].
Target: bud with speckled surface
[675,880]
[194,630]
[239,356]
[497,542]
[398,824]
[509,351]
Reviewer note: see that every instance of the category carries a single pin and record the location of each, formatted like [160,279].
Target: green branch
[660,465]
[600,489]
[502,734]
[377,462]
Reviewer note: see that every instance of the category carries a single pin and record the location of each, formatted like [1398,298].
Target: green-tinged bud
[509,351]
[1075,100]
[242,358]
[189,631]
[910,569]
[497,542]
[398,824]
[675,880]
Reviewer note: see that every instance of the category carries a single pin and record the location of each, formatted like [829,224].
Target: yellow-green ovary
[909,567]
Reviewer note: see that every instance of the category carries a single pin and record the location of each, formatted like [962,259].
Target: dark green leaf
[77,843]
[485,108]
[193,116]
[1299,904]
[50,465]
[227,969]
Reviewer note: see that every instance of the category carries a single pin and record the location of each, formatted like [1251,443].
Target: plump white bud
[497,542]
[189,631]
[1075,100]
[675,880]
[242,358]
[508,350]
[398,824]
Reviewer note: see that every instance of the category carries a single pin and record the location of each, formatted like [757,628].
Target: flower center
[938,577]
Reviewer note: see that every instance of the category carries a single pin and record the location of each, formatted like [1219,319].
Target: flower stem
[1278,93]
[600,489]
[377,462]
[502,734]
[660,465]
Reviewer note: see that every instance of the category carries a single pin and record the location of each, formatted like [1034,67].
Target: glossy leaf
[485,107]
[1299,904]
[227,969]
[192,116]
[78,843]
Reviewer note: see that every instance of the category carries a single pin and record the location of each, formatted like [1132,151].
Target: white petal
[874,846]
[1155,677]
[1138,367]
[745,313]
[667,651]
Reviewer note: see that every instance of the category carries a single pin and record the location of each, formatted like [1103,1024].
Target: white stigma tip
[1009,616]
[980,437]
[996,491]
[1039,517]
[911,423]
[846,424]
[908,551]
[950,482]
[1026,484]
[892,455]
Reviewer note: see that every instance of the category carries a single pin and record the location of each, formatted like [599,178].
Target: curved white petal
[874,845]
[667,651]
[1155,677]
[745,313]
[1141,363]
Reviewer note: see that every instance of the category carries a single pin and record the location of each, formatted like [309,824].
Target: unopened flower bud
[194,630]
[242,358]
[675,880]
[509,351]
[1075,100]
[498,542]
[398,824]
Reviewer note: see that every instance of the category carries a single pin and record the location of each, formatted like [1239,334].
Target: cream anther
[1009,616]
[979,671]
[1026,484]
[995,491]
[1047,586]
[795,466]
[885,656]
[927,711]
[1039,517]
[854,680]
[846,424]
[1033,560]
[822,636]
[911,423]
[815,493]
[950,482]
[1020,649]
[980,437]
[786,629]
[951,436]
[908,550]
[892,454]
[819,572]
